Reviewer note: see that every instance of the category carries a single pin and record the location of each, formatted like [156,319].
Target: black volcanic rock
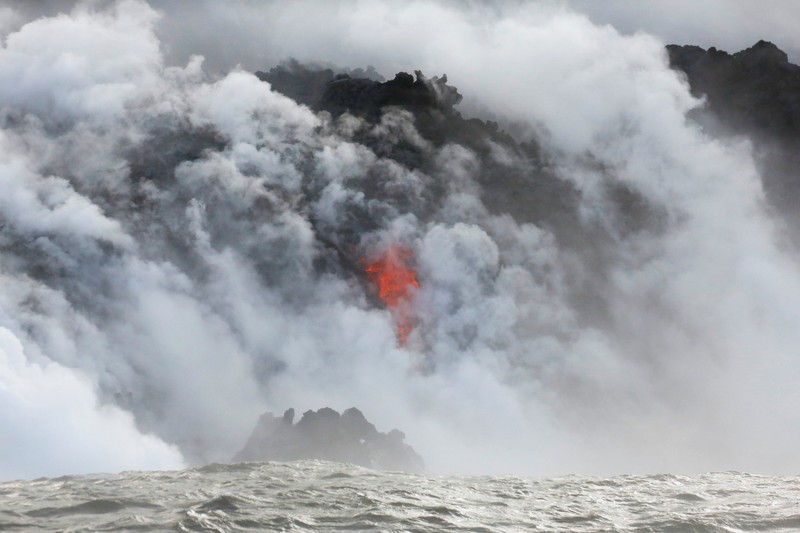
[526,188]
[755,89]
[325,434]
[755,92]
[359,92]
[302,84]
[368,98]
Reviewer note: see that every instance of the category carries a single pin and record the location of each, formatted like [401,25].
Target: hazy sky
[238,31]
[727,24]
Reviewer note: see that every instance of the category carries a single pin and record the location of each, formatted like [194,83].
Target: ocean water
[322,496]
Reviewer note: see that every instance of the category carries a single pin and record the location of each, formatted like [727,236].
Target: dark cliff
[754,92]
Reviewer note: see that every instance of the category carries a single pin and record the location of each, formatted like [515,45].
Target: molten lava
[394,279]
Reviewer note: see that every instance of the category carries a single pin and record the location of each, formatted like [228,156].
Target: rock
[755,89]
[754,92]
[528,191]
[325,434]
[359,92]
[303,84]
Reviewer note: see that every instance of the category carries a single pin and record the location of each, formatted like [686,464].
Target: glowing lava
[396,282]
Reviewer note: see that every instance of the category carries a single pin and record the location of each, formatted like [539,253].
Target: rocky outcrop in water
[325,434]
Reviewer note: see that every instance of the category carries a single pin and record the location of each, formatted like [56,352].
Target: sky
[729,25]
[239,31]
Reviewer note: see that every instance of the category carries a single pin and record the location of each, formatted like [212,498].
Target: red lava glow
[394,279]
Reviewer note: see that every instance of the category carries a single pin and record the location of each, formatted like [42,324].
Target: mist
[173,231]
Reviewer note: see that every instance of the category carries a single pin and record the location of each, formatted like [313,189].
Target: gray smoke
[180,247]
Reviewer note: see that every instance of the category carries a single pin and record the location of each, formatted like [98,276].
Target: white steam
[182,292]
[52,423]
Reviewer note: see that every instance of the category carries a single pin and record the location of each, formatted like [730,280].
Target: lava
[396,282]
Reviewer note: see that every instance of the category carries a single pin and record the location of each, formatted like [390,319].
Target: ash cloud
[181,243]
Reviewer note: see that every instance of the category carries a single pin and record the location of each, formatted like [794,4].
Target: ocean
[324,496]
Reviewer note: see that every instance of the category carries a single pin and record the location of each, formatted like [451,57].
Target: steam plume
[603,293]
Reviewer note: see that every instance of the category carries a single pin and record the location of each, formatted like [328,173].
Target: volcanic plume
[598,278]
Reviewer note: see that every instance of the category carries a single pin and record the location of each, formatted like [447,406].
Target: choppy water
[319,496]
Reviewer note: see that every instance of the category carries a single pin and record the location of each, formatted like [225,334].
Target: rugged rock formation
[514,177]
[307,84]
[359,91]
[325,434]
[755,92]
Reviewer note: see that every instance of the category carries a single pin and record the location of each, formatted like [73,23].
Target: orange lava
[394,279]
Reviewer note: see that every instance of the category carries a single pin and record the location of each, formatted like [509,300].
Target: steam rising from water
[161,254]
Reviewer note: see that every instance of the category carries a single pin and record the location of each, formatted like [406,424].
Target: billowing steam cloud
[181,251]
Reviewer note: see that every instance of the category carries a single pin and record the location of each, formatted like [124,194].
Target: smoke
[181,246]
[52,422]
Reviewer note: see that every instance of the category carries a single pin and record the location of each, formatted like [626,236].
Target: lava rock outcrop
[358,91]
[755,92]
[514,176]
[327,435]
